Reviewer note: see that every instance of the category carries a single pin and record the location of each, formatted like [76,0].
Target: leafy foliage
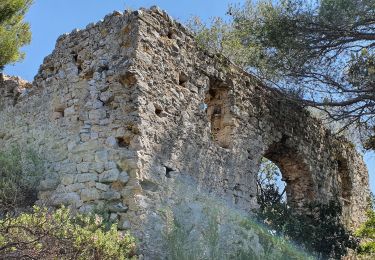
[318,230]
[317,227]
[14,32]
[58,234]
[322,49]
[367,232]
[20,173]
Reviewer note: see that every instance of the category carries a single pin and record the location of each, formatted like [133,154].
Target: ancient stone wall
[206,117]
[78,115]
[126,109]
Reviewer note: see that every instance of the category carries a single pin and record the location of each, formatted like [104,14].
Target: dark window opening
[182,78]
[123,142]
[158,111]
[168,171]
[170,34]
[59,111]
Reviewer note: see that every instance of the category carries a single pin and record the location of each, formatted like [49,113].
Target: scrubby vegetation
[366,233]
[58,234]
[40,233]
[220,232]
[318,229]
[212,245]
[20,173]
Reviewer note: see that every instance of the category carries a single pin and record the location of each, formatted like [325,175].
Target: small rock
[69,111]
[67,179]
[86,177]
[69,198]
[118,208]
[110,165]
[74,187]
[109,176]
[89,194]
[111,142]
[101,186]
[48,184]
[113,217]
[110,195]
[123,177]
[83,167]
[87,208]
[101,156]
[97,167]
[124,225]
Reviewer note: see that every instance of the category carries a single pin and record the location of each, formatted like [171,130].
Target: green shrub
[58,234]
[366,232]
[20,173]
[318,230]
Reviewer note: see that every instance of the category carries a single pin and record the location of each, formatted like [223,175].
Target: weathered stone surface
[109,176]
[86,177]
[131,105]
[117,208]
[74,187]
[67,179]
[89,195]
[69,198]
[83,167]
[48,184]
[101,186]
[110,195]
[101,156]
[123,177]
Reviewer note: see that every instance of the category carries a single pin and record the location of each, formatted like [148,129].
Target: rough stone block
[48,184]
[109,176]
[110,195]
[89,195]
[69,198]
[123,177]
[67,179]
[118,208]
[101,186]
[83,167]
[101,156]
[74,187]
[86,177]
[97,167]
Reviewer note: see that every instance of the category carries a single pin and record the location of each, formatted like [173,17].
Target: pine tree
[14,31]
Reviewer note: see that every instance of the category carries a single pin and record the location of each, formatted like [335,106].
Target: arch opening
[271,188]
[299,188]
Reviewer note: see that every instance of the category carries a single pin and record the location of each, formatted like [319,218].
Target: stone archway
[295,173]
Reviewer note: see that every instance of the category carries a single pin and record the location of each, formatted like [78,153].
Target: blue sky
[51,18]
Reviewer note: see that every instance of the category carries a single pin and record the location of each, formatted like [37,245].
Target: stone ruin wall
[209,119]
[74,112]
[121,108]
